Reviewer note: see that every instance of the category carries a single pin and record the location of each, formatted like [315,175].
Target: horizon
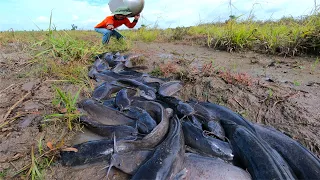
[85,14]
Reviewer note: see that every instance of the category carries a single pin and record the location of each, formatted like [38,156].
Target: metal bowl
[136,6]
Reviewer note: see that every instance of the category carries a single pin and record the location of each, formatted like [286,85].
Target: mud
[283,93]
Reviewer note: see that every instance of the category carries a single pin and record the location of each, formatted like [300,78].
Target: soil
[277,91]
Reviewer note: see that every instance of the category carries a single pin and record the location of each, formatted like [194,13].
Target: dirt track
[283,93]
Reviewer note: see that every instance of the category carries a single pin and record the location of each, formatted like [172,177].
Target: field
[266,71]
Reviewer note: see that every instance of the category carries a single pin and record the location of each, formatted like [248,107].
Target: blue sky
[34,14]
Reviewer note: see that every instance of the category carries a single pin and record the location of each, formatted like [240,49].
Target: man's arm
[109,23]
[133,23]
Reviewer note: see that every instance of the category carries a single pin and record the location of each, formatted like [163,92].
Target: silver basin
[136,6]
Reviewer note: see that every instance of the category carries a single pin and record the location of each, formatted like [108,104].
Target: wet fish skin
[164,165]
[304,164]
[145,122]
[104,91]
[100,77]
[120,75]
[185,109]
[155,109]
[104,114]
[152,139]
[110,103]
[135,83]
[195,121]
[108,131]
[205,145]
[100,65]
[130,72]
[253,153]
[118,68]
[129,162]
[199,167]
[92,72]
[109,58]
[215,128]
[170,88]
[149,95]
[122,101]
[87,153]
[179,107]
[225,114]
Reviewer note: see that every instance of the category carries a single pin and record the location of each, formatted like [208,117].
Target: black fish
[208,168]
[135,83]
[109,58]
[215,128]
[108,131]
[110,103]
[100,65]
[170,88]
[104,114]
[152,139]
[304,164]
[88,152]
[205,145]
[144,121]
[122,101]
[129,162]
[180,108]
[195,121]
[254,154]
[121,75]
[104,91]
[223,113]
[168,158]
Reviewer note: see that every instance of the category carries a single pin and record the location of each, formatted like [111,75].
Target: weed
[3,174]
[156,72]
[66,104]
[40,145]
[168,68]
[296,83]
[235,78]
[270,93]
[243,113]
[34,170]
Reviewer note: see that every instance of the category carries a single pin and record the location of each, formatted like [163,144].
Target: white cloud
[75,17]
[42,19]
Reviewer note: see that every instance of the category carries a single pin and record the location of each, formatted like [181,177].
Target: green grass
[287,36]
[66,103]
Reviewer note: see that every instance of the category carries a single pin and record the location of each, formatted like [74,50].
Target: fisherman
[108,25]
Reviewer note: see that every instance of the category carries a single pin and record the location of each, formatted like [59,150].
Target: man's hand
[110,27]
[136,17]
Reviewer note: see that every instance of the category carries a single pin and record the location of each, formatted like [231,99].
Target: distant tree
[143,26]
[232,17]
[74,27]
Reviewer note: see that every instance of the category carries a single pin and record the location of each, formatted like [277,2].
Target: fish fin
[109,169]
[114,143]
[183,117]
[181,175]
[114,151]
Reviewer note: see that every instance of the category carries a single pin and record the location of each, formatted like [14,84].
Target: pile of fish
[146,132]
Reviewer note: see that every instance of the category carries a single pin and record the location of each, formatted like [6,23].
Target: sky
[85,14]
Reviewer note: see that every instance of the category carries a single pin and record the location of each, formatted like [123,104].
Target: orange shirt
[116,23]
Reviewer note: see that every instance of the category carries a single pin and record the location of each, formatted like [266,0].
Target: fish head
[222,150]
[149,95]
[229,127]
[185,108]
